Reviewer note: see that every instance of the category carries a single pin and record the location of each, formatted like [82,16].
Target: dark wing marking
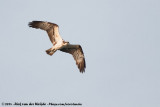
[78,56]
[47,26]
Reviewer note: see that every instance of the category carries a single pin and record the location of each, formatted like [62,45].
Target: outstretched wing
[78,55]
[51,28]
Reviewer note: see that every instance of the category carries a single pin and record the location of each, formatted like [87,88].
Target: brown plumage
[50,28]
[77,53]
[60,44]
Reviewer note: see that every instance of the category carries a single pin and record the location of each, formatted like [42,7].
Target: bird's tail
[50,52]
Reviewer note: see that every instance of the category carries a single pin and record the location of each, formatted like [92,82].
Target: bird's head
[66,42]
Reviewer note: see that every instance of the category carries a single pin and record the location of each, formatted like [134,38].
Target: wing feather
[50,28]
[78,56]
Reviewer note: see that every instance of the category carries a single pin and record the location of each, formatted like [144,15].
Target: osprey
[60,44]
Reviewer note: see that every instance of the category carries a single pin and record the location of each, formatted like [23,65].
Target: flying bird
[52,30]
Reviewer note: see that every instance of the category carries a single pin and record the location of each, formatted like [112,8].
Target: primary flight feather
[52,30]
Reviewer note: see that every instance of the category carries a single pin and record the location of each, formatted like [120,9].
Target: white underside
[59,41]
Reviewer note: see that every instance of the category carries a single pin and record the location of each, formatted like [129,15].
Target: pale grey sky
[120,40]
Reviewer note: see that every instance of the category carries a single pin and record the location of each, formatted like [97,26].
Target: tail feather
[50,52]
